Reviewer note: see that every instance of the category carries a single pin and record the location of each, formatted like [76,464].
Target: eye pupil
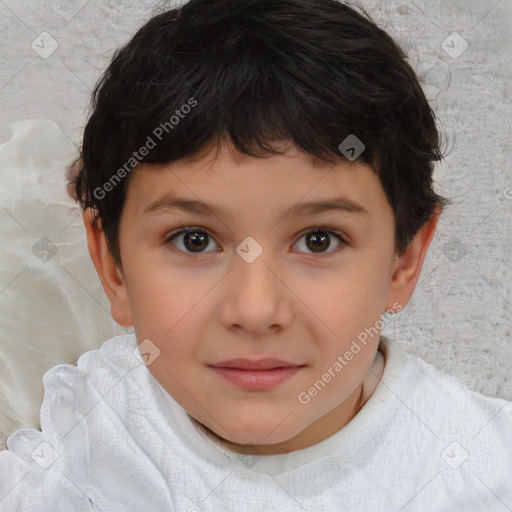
[196,239]
[323,239]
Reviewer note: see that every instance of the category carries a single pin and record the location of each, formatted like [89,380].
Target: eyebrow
[343,204]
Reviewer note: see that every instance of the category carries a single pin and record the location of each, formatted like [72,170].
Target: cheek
[168,308]
[158,292]
[344,324]
[347,301]
[166,311]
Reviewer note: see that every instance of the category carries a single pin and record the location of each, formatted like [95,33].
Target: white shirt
[114,440]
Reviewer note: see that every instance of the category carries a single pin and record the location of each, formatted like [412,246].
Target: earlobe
[406,268]
[110,275]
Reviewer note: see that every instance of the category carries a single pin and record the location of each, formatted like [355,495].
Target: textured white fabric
[421,442]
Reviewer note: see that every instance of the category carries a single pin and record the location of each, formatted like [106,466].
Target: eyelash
[316,229]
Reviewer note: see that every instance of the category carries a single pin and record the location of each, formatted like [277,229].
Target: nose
[256,298]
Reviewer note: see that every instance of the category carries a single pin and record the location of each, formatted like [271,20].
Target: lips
[261,364]
[256,380]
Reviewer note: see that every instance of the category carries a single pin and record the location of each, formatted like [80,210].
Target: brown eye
[318,240]
[191,241]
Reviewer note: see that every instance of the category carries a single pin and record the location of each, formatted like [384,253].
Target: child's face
[289,302]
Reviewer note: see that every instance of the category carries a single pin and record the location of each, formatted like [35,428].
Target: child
[227,139]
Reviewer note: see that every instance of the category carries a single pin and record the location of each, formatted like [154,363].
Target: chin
[261,434]
[256,427]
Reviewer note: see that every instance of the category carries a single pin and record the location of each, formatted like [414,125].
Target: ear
[406,269]
[111,276]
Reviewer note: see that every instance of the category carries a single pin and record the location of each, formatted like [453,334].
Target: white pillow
[52,306]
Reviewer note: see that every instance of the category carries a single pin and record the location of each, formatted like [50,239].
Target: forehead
[229,181]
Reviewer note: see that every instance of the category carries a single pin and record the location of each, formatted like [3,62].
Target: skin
[291,303]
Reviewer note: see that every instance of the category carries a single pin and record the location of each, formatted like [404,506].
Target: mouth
[256,375]
[261,364]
